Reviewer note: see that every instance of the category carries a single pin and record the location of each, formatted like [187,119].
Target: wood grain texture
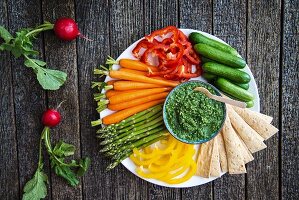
[289,105]
[196,15]
[29,98]
[229,24]
[263,50]
[92,18]
[62,55]
[9,172]
[126,26]
[158,14]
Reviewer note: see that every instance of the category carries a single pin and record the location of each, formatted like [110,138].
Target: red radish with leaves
[70,171]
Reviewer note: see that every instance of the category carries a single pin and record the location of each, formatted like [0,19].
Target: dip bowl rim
[171,130]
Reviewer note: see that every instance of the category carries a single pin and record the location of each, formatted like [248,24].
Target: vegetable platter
[149,153]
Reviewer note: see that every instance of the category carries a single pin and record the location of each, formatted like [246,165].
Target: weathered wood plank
[29,98]
[62,55]
[263,51]
[158,14]
[229,24]
[92,18]
[196,15]
[9,173]
[126,26]
[289,104]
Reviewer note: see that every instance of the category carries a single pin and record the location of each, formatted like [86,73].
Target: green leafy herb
[69,171]
[36,188]
[21,45]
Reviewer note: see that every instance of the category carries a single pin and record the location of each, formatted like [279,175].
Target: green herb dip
[191,115]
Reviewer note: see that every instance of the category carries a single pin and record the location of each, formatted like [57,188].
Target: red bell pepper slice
[162,32]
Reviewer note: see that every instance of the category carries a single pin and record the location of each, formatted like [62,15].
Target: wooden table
[264,32]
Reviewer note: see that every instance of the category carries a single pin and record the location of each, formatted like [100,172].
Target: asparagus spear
[112,133]
[133,127]
[126,122]
[112,130]
[134,130]
[139,144]
[112,147]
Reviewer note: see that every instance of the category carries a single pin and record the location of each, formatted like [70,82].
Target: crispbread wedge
[267,118]
[253,141]
[248,156]
[234,149]
[204,159]
[254,120]
[222,152]
[215,169]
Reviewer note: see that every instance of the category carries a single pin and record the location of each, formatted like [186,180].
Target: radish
[51,118]
[67,29]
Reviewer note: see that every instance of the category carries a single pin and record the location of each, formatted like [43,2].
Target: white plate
[195,180]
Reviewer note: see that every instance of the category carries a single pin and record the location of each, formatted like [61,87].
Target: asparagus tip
[96,122]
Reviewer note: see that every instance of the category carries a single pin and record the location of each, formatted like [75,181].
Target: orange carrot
[137,65]
[139,78]
[135,102]
[128,96]
[123,114]
[131,85]
[111,93]
[133,71]
[111,82]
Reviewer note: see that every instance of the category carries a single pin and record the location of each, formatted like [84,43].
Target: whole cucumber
[220,56]
[204,59]
[224,71]
[233,90]
[245,86]
[196,38]
[209,77]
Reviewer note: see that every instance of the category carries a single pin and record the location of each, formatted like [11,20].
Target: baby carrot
[137,65]
[139,101]
[111,93]
[123,114]
[139,78]
[128,96]
[131,85]
[133,71]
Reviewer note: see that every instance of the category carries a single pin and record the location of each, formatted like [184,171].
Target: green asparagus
[135,129]
[150,130]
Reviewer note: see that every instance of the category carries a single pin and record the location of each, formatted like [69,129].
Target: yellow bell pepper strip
[166,161]
[175,171]
[163,160]
[143,174]
[156,151]
[189,174]
[172,160]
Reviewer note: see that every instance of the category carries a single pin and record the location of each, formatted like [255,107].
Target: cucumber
[233,90]
[245,86]
[219,56]
[250,104]
[209,77]
[196,38]
[224,71]
[204,59]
